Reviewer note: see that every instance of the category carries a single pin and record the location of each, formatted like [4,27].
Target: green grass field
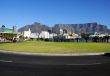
[56,47]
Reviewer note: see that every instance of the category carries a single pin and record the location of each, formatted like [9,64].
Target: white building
[44,34]
[61,31]
[27,33]
[34,35]
[98,34]
[52,35]
[72,36]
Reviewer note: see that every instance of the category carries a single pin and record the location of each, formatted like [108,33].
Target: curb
[47,54]
[107,54]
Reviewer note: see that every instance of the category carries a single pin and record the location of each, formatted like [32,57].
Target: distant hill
[76,28]
[35,28]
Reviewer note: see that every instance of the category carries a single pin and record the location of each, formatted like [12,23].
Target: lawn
[56,47]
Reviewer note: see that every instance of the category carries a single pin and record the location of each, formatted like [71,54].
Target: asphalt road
[27,65]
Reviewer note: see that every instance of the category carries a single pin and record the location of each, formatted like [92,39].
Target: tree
[106,38]
[95,38]
[85,36]
[21,38]
[77,39]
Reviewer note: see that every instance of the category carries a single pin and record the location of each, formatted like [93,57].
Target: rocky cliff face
[76,28]
[81,28]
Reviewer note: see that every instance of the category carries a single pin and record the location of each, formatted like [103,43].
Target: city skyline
[23,12]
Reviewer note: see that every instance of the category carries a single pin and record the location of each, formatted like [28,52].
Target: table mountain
[76,28]
[81,28]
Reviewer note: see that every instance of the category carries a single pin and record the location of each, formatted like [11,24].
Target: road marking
[85,64]
[6,61]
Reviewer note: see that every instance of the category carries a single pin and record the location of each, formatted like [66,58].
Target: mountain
[81,28]
[109,31]
[35,28]
[76,28]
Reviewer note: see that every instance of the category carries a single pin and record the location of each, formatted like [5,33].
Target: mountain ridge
[76,28]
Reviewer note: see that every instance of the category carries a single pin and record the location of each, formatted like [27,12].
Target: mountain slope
[76,28]
[81,28]
[35,28]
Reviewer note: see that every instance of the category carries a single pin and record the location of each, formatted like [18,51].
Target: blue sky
[50,12]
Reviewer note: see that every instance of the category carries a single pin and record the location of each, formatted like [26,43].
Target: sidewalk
[48,54]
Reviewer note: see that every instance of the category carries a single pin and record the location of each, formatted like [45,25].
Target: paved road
[27,65]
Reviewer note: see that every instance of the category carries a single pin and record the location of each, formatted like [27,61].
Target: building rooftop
[3,29]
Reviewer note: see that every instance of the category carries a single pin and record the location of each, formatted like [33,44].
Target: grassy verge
[56,47]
